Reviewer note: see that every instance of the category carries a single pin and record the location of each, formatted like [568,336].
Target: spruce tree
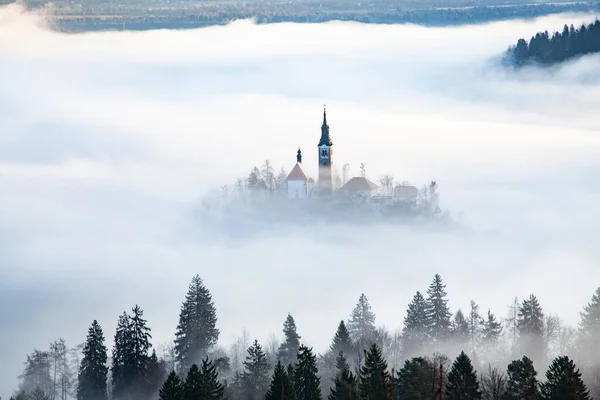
[210,386]
[172,388]
[196,331]
[521,383]
[281,386]
[93,370]
[154,374]
[437,313]
[341,363]
[460,330]
[530,324]
[414,379]
[306,380]
[414,332]
[492,329]
[192,388]
[255,378]
[374,381]
[475,322]
[119,354]
[341,341]
[289,348]
[345,387]
[462,380]
[563,382]
[589,328]
[361,325]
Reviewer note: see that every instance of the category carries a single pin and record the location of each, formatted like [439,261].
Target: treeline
[364,361]
[545,50]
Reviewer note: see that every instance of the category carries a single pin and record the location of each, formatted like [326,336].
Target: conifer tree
[93,370]
[154,373]
[437,312]
[289,348]
[37,373]
[172,388]
[281,386]
[196,331]
[521,383]
[192,388]
[460,330]
[119,354]
[361,325]
[462,380]
[563,382]
[589,328]
[492,329]
[306,380]
[345,386]
[255,378]
[414,379]
[341,363]
[475,322]
[414,332]
[342,341]
[374,381]
[530,324]
[38,394]
[210,386]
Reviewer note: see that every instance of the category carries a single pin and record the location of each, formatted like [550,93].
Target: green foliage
[255,378]
[172,388]
[414,379]
[289,348]
[492,329]
[374,381]
[93,370]
[563,382]
[437,313]
[281,385]
[342,341]
[521,381]
[306,380]
[462,380]
[415,330]
[460,329]
[345,386]
[196,331]
[530,324]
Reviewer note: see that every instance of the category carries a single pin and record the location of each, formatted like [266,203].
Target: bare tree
[493,384]
[345,170]
[238,350]
[272,348]
[387,183]
[268,175]
[362,170]
[512,328]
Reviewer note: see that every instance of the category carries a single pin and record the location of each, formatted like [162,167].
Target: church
[299,186]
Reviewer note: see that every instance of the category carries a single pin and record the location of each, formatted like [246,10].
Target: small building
[406,194]
[297,184]
[359,186]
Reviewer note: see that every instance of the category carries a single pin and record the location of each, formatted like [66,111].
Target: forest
[545,50]
[436,354]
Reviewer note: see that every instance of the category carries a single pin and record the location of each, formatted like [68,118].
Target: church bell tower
[325,182]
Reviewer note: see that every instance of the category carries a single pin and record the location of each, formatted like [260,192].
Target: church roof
[359,184]
[325,138]
[296,174]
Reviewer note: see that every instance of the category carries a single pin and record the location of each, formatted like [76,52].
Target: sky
[109,142]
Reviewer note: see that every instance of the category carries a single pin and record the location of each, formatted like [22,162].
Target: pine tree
[281,386]
[414,332]
[341,341]
[154,374]
[37,373]
[462,380]
[460,329]
[255,378]
[374,381]
[210,386]
[563,382]
[361,325]
[306,379]
[530,324]
[521,381]
[341,363]
[119,354]
[492,329]
[172,388]
[475,322]
[344,387]
[192,388]
[437,312]
[414,379]
[93,370]
[196,331]
[289,348]
[589,328]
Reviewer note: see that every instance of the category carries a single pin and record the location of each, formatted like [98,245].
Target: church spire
[325,138]
[299,156]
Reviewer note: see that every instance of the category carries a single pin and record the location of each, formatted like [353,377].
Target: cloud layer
[109,141]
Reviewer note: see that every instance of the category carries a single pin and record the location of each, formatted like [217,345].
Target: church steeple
[299,156]
[325,138]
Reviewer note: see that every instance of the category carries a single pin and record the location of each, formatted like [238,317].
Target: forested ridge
[561,46]
[437,354]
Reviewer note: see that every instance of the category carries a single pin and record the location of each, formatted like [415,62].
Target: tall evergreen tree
[306,379]
[255,378]
[154,374]
[36,373]
[361,325]
[415,330]
[342,341]
[589,328]
[563,382]
[172,388]
[462,380]
[289,348]
[492,329]
[530,324]
[281,386]
[460,330]
[210,386]
[344,386]
[196,331]
[476,323]
[521,383]
[414,380]
[119,354]
[93,370]
[341,363]
[192,388]
[437,312]
[374,381]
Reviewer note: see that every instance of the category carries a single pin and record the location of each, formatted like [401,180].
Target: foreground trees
[93,371]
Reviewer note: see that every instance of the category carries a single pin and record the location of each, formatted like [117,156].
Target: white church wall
[296,189]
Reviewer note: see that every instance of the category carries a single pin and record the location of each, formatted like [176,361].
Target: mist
[109,142]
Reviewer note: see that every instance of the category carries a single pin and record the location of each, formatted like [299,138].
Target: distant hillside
[545,50]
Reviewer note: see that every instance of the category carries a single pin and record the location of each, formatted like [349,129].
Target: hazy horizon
[110,141]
